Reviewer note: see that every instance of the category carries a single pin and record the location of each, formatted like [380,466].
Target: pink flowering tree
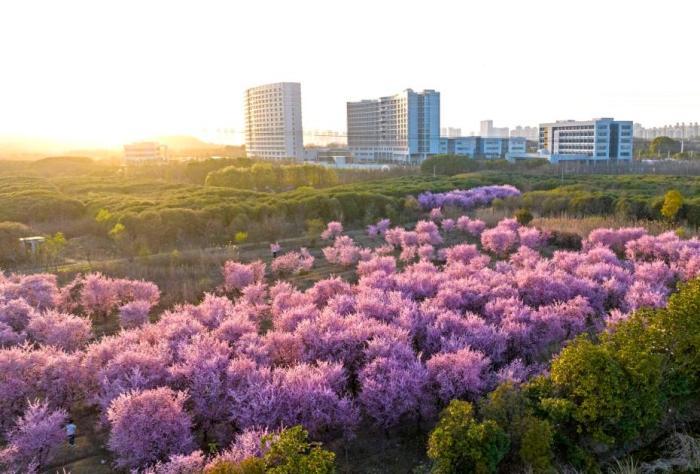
[16,313]
[458,374]
[239,275]
[195,462]
[148,426]
[501,240]
[343,252]
[66,331]
[394,389]
[333,230]
[202,373]
[436,214]
[32,442]
[293,263]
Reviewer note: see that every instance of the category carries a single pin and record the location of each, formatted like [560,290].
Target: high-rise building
[679,131]
[404,127]
[593,140]
[487,130]
[142,152]
[273,127]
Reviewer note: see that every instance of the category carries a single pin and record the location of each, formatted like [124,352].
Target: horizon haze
[90,74]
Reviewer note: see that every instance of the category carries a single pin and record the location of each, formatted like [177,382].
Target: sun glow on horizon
[103,74]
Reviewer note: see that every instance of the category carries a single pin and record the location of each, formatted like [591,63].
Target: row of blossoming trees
[424,324]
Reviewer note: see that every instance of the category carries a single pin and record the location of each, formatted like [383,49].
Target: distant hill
[30,149]
[63,161]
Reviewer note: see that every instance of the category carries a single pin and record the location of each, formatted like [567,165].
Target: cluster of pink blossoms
[333,230]
[345,252]
[393,347]
[508,235]
[467,198]
[292,263]
[379,228]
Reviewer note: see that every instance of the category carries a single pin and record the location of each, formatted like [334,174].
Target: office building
[462,146]
[517,145]
[594,140]
[142,152]
[404,127]
[273,128]
[482,147]
[487,130]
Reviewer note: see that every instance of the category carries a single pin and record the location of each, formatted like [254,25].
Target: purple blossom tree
[34,439]
[148,426]
[134,314]
[239,275]
[458,374]
[65,331]
[333,230]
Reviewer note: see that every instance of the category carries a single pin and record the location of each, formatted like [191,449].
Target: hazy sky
[111,71]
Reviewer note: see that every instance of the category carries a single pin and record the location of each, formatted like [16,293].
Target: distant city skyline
[107,74]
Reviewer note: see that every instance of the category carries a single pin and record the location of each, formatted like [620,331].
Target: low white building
[145,152]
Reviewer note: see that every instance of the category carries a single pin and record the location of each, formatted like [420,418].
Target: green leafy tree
[611,391]
[664,145]
[240,237]
[536,443]
[523,216]
[532,438]
[53,247]
[292,453]
[11,250]
[103,215]
[121,238]
[118,232]
[676,329]
[246,466]
[459,443]
[448,165]
[673,202]
[314,228]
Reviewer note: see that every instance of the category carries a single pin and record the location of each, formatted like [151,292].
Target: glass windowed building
[595,140]
[482,147]
[404,127]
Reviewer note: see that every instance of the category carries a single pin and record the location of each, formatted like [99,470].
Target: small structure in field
[31,244]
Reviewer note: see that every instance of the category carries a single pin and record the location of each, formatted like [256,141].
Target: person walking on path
[70,432]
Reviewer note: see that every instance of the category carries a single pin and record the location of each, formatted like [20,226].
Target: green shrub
[673,202]
[461,444]
[565,240]
[530,437]
[612,395]
[677,330]
[536,444]
[448,165]
[523,216]
[247,466]
[11,250]
[292,453]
